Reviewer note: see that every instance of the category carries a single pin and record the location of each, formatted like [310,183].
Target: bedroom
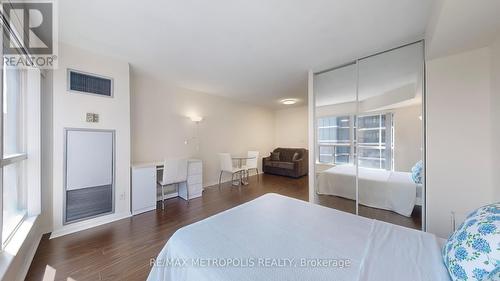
[261,140]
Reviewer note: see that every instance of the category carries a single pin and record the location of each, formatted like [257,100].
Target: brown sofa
[287,166]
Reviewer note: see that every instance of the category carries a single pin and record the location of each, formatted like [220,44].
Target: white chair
[226,165]
[174,172]
[251,163]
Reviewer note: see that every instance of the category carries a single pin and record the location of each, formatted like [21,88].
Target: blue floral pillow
[473,251]
[416,172]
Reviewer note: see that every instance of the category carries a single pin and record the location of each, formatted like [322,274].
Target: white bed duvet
[289,239]
[381,189]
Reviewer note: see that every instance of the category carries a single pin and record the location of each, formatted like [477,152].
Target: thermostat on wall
[92,117]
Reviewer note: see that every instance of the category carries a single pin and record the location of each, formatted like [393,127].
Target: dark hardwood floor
[122,250]
[346,205]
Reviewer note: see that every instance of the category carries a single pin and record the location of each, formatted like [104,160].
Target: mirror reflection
[335,104]
[390,136]
[369,137]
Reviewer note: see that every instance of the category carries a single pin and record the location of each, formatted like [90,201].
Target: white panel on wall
[89,159]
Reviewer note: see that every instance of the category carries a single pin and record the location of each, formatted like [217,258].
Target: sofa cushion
[284,165]
[275,156]
[296,156]
[286,154]
[279,164]
[268,162]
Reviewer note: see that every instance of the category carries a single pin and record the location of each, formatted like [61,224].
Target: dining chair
[174,172]
[226,165]
[252,163]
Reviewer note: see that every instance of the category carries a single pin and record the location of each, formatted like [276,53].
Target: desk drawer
[194,179]
[195,190]
[195,168]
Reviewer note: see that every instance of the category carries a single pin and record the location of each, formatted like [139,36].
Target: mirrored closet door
[335,111]
[369,142]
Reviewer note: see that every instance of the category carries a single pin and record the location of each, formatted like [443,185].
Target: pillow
[275,156]
[494,275]
[473,251]
[296,156]
[416,172]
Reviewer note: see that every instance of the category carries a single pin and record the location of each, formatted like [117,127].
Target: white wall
[290,127]
[69,111]
[495,114]
[407,137]
[459,168]
[160,125]
[47,102]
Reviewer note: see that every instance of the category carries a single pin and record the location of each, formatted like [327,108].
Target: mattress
[388,190]
[279,238]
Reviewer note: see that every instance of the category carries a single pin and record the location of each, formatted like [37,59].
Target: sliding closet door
[389,129]
[335,110]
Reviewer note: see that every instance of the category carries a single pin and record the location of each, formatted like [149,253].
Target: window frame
[12,159]
[32,209]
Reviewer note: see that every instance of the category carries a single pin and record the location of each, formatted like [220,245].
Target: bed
[289,239]
[388,190]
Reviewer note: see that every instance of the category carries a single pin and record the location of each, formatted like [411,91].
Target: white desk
[144,183]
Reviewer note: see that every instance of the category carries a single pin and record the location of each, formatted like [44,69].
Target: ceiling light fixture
[288,101]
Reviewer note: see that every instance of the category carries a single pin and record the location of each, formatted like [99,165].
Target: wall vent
[87,83]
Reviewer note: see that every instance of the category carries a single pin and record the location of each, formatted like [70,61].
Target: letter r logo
[33,23]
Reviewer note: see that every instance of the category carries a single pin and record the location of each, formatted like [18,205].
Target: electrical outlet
[122,196]
[92,117]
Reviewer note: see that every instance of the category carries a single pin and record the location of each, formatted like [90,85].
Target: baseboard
[216,183]
[79,226]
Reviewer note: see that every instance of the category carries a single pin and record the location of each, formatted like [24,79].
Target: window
[337,137]
[20,139]
[14,150]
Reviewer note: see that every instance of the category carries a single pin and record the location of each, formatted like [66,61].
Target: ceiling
[373,76]
[460,25]
[254,51]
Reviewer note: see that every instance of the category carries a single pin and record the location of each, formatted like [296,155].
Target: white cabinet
[143,188]
[194,183]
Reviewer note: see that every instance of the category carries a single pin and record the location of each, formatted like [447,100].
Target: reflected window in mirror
[337,137]
[336,140]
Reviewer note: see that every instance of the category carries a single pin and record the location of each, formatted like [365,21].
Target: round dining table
[240,159]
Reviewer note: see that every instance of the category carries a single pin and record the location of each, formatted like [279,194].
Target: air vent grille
[92,84]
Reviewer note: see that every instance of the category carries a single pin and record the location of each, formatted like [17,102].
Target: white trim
[13,158]
[29,227]
[29,258]
[33,142]
[87,224]
[312,135]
